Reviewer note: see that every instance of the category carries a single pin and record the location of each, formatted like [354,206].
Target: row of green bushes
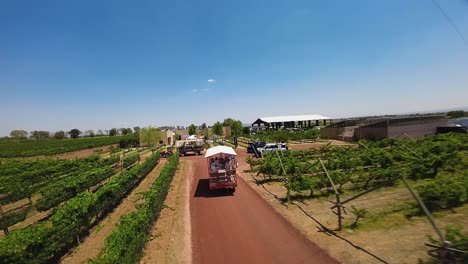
[68,187]
[49,240]
[126,243]
[28,148]
[130,159]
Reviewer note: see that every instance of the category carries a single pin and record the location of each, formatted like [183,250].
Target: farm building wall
[414,130]
[372,133]
[167,137]
[339,133]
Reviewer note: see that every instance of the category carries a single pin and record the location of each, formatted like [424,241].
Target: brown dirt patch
[170,236]
[94,243]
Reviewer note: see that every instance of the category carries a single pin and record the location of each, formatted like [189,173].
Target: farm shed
[282,122]
[413,127]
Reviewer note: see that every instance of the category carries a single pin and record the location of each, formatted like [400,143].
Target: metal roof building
[296,121]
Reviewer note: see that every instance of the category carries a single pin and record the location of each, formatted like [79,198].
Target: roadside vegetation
[436,167]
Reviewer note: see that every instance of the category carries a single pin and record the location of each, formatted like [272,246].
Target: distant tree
[192,129]
[89,133]
[100,133]
[74,133]
[235,125]
[217,129]
[150,136]
[59,134]
[113,132]
[203,126]
[40,134]
[125,131]
[136,129]
[107,132]
[19,134]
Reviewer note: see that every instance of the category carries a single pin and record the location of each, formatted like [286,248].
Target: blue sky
[103,64]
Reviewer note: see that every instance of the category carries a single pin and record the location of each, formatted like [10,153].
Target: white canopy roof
[192,137]
[218,150]
[273,119]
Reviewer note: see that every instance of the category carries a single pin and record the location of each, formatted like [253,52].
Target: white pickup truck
[272,147]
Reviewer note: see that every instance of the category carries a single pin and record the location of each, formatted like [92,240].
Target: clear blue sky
[103,64]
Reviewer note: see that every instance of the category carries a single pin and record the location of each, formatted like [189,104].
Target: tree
[89,133]
[59,134]
[125,131]
[113,132]
[74,133]
[150,136]
[192,129]
[100,133]
[40,134]
[217,129]
[136,129]
[19,134]
[235,125]
[203,126]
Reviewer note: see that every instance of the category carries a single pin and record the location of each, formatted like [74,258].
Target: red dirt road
[242,228]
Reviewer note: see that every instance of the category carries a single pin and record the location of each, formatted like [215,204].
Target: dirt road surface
[242,228]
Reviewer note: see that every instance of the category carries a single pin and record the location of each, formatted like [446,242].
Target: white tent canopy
[218,150]
[192,137]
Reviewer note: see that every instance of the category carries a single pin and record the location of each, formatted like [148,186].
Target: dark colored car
[258,144]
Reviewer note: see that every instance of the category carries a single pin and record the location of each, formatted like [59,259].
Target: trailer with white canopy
[222,166]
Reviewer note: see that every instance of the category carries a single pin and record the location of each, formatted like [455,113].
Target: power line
[451,22]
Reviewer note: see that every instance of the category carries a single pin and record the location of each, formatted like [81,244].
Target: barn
[290,122]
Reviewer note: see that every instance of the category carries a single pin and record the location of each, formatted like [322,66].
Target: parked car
[258,144]
[272,147]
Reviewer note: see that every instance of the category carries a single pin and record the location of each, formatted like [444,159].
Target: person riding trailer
[222,166]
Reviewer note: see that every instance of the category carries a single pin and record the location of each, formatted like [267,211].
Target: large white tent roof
[273,119]
[218,150]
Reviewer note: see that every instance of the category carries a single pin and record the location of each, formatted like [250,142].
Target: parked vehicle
[257,144]
[272,147]
[185,147]
[222,166]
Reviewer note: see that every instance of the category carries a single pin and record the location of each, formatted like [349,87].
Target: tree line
[73,133]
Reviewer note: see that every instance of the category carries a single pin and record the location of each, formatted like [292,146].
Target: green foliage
[445,192]
[69,187]
[74,133]
[235,125]
[217,129]
[28,148]
[19,134]
[285,136]
[359,214]
[41,242]
[126,243]
[130,159]
[457,114]
[441,159]
[150,136]
[192,129]
[12,217]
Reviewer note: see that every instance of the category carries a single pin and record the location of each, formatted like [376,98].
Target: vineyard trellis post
[338,204]
[5,230]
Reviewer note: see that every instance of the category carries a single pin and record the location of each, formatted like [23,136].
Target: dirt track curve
[242,228]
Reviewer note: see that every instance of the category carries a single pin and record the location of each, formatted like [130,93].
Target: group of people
[226,162]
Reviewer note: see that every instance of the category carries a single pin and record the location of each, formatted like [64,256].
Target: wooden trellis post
[338,204]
